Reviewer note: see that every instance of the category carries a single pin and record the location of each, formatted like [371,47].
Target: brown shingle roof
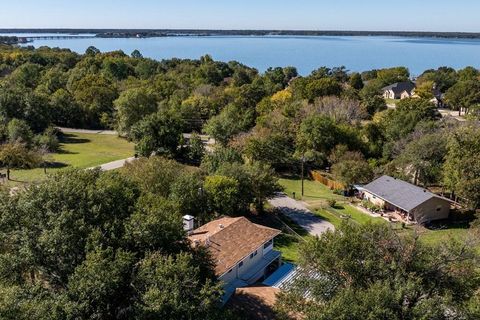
[230,240]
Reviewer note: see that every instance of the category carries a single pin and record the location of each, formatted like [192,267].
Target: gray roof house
[399,90]
[417,204]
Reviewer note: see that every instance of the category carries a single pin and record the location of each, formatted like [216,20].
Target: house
[242,251]
[399,90]
[411,202]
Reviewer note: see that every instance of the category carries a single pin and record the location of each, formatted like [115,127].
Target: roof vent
[221,226]
[196,242]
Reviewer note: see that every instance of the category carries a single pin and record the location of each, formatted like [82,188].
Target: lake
[306,53]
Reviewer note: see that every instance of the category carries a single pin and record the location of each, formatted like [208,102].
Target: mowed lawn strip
[80,150]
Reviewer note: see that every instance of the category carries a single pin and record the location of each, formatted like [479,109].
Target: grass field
[79,150]
[313,191]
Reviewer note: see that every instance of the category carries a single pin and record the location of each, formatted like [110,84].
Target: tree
[136,54]
[18,156]
[86,244]
[155,224]
[464,95]
[425,89]
[223,194]
[423,157]
[263,183]
[374,104]
[19,132]
[371,272]
[95,94]
[401,121]
[158,133]
[316,137]
[230,121]
[321,88]
[351,171]
[92,51]
[188,193]
[461,172]
[175,287]
[212,161]
[132,106]
[356,81]
[154,175]
[195,149]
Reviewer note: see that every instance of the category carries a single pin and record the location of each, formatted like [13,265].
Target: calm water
[305,53]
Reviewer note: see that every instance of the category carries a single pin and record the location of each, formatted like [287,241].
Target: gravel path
[301,215]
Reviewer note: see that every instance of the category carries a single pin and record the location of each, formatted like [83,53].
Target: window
[240,264]
[253,254]
[439,208]
[230,271]
[268,244]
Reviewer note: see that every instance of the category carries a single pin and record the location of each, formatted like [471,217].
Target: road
[113,165]
[70,130]
[301,215]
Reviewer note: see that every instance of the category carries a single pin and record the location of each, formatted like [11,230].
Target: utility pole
[303,165]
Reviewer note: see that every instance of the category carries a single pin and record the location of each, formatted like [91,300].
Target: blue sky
[421,15]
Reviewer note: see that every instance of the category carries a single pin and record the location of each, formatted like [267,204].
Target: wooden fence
[332,184]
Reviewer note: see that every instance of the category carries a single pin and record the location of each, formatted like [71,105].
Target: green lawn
[391,101]
[313,190]
[79,150]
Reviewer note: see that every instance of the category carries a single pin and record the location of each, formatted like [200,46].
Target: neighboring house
[399,90]
[412,202]
[242,251]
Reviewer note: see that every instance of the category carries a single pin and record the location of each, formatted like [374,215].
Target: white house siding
[389,94]
[374,199]
[431,210]
[238,272]
[405,95]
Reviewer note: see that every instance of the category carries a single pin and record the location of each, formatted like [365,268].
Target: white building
[242,251]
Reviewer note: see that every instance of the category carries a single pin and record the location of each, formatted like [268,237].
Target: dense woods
[91,245]
[276,118]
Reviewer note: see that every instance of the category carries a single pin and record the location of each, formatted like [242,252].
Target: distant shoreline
[151,33]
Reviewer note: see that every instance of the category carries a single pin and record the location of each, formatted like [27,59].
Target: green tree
[464,95]
[352,170]
[158,133]
[132,106]
[461,172]
[214,160]
[223,194]
[356,81]
[369,272]
[230,121]
[174,287]
[18,156]
[321,88]
[156,224]
[316,137]
[19,132]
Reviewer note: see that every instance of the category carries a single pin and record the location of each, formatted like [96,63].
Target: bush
[332,203]
[48,141]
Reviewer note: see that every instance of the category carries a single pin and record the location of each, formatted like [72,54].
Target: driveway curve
[301,215]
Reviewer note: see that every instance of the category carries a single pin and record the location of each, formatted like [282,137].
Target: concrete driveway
[301,215]
[114,164]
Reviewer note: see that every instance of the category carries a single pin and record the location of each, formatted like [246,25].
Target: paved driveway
[114,164]
[301,215]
